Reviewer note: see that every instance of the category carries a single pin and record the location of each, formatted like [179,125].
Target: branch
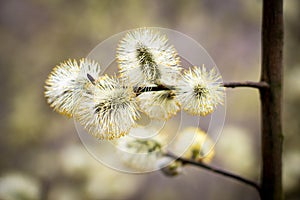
[217,171]
[258,85]
[251,84]
[271,99]
[140,90]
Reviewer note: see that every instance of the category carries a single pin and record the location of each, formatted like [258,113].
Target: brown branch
[271,99]
[140,90]
[217,171]
[258,85]
[251,84]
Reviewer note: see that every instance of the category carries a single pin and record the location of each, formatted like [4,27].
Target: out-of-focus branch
[217,171]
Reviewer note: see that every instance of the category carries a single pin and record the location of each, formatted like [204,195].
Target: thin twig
[258,85]
[139,90]
[251,84]
[217,171]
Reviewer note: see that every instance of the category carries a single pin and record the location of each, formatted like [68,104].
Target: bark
[271,99]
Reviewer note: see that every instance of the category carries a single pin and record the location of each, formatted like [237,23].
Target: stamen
[148,64]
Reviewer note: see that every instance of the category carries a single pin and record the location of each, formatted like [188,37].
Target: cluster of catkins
[150,80]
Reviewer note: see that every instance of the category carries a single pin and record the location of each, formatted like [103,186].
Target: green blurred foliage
[41,155]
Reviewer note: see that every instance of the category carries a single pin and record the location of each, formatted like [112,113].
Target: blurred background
[41,154]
